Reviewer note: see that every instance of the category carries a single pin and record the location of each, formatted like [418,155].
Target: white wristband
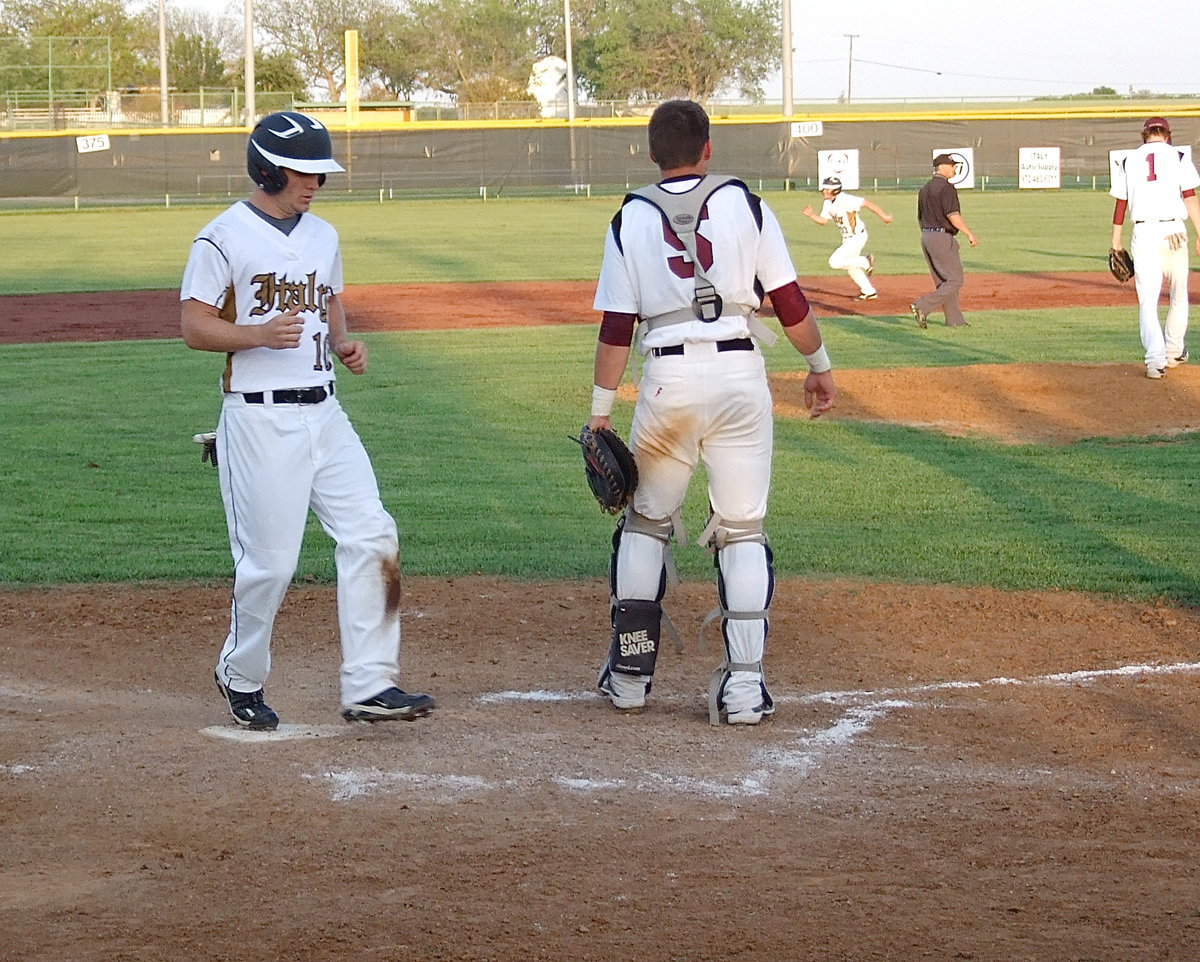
[602,401]
[818,361]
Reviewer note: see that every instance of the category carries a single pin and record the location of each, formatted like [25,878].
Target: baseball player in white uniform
[845,210]
[703,397]
[262,286]
[1156,184]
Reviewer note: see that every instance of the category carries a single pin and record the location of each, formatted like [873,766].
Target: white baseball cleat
[750,716]
[1154,373]
[626,692]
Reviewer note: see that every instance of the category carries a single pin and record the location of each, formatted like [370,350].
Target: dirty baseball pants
[1153,260]
[712,408]
[276,462]
[945,266]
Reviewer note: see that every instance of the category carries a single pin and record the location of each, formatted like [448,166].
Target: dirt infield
[951,774]
[134,315]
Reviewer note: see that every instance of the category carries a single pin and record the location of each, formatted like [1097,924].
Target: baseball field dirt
[952,773]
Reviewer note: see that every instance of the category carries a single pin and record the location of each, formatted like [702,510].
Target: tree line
[470,50]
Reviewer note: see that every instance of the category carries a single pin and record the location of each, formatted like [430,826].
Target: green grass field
[527,239]
[101,482]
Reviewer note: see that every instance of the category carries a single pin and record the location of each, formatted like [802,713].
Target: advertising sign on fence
[1039,168]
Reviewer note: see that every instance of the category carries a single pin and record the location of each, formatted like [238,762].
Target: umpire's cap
[944,159]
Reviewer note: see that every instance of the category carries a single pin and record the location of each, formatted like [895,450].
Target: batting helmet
[1156,124]
[832,183]
[292,140]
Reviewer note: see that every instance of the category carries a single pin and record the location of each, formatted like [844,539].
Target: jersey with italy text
[251,272]
[844,210]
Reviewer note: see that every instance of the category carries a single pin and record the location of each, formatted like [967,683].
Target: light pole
[850,66]
[787,59]
[164,110]
[249,39]
[570,62]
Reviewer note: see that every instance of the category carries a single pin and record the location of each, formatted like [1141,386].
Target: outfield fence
[555,157]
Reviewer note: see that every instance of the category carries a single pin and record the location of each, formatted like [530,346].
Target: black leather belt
[1165,220]
[733,344]
[292,395]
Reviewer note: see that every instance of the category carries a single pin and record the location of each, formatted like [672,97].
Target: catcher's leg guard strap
[637,627]
[716,686]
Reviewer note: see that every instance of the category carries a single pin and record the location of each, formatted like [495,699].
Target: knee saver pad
[637,629]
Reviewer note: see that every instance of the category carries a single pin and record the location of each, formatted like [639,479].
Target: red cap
[1160,122]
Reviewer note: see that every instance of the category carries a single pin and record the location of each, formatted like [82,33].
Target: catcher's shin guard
[745,583]
[628,671]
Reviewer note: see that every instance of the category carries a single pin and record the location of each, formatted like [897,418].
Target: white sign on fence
[807,128]
[842,164]
[1039,168]
[92,143]
[964,165]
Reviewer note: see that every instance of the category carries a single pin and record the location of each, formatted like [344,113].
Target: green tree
[476,50]
[313,35]
[648,50]
[85,34]
[274,70]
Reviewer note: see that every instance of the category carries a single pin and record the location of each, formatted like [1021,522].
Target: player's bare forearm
[611,361]
[204,329]
[806,335]
[1192,203]
[878,211]
[1117,241]
[353,354]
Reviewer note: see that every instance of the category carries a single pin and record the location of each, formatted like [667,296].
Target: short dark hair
[678,132]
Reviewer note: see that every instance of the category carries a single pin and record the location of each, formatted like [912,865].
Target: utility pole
[850,67]
[788,105]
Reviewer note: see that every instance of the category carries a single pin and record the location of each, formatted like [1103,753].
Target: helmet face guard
[292,140]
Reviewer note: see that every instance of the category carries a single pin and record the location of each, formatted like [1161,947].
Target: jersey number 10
[323,361]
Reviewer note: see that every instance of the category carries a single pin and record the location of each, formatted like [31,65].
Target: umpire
[941,220]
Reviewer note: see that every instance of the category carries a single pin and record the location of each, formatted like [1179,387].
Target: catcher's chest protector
[682,212]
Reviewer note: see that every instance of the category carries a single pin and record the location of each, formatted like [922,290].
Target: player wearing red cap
[1156,184]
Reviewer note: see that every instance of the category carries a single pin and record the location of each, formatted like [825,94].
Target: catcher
[688,259]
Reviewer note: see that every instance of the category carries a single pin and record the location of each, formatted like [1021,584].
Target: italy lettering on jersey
[252,272]
[646,270]
[1152,179]
[843,210]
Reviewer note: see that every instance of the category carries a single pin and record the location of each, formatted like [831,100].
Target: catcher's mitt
[1120,264]
[609,468]
[208,446]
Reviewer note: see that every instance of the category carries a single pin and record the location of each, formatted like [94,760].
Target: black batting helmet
[292,140]
[832,183]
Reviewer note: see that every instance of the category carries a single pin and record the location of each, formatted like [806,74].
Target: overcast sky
[910,48]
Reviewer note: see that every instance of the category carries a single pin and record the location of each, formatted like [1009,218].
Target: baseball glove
[609,467]
[1120,264]
[208,446]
